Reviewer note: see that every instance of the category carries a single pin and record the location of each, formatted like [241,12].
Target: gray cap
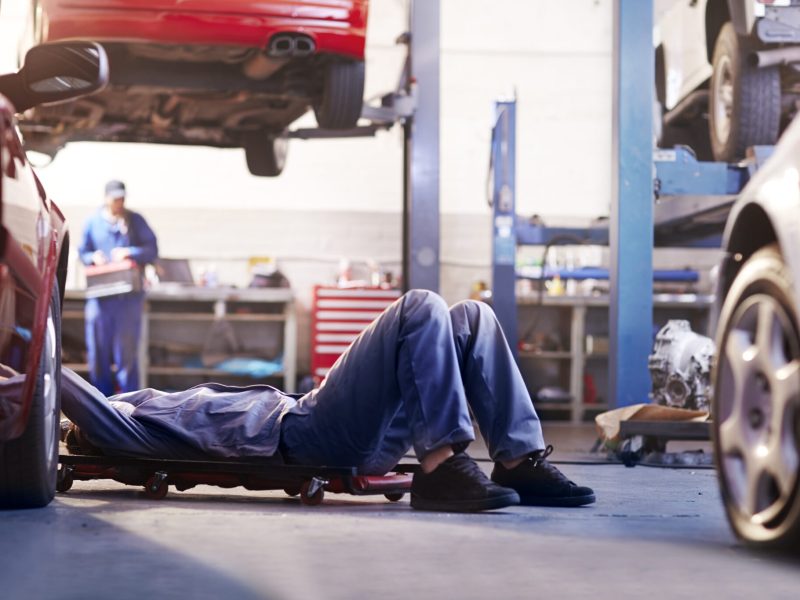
[115,189]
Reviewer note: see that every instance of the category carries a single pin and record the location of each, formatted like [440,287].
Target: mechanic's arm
[86,250]
[147,249]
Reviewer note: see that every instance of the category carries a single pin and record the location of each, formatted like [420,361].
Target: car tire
[756,417]
[265,153]
[744,102]
[342,95]
[29,464]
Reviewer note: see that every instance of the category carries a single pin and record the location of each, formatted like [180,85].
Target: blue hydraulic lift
[684,204]
[630,227]
[421,155]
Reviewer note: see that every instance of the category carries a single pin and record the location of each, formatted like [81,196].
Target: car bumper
[346,38]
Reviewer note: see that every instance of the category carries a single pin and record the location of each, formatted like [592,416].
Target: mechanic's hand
[118,254]
[99,257]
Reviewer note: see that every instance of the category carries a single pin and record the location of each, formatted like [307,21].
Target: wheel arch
[717,14]
[752,226]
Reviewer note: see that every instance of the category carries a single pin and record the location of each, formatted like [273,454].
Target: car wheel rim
[723,99]
[757,412]
[49,390]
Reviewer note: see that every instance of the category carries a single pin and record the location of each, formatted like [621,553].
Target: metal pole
[631,227]
[504,240]
[421,161]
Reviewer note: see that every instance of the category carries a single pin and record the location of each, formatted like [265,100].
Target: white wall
[556,54]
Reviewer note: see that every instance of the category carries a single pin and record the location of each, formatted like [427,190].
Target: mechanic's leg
[111,430]
[504,411]
[127,331]
[99,344]
[494,386]
[397,384]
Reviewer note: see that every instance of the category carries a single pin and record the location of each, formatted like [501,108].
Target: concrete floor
[659,533]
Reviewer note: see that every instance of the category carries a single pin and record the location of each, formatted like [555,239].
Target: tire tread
[342,97]
[757,100]
[23,483]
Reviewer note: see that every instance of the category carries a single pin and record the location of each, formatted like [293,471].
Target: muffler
[776,56]
[261,66]
[304,46]
[289,45]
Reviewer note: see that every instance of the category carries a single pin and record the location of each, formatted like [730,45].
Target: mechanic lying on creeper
[410,379]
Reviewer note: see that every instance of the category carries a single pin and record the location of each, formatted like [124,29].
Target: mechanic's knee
[429,303]
[473,306]
[472,311]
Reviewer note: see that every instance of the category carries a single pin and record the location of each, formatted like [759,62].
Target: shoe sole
[561,501]
[492,503]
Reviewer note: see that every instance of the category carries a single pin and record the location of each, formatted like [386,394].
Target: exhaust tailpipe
[304,46]
[281,45]
[286,45]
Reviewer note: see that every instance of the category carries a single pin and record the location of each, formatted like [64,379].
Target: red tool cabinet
[338,315]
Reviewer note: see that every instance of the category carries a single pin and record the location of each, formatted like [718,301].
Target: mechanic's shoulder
[135,216]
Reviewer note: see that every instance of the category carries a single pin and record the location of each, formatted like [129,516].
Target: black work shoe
[458,485]
[539,483]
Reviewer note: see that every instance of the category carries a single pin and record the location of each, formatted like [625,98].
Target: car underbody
[188,95]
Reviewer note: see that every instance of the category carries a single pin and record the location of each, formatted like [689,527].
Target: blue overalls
[113,323]
[409,380]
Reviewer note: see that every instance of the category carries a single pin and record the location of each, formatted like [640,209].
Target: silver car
[756,405]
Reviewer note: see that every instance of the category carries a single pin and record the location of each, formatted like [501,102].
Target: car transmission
[680,367]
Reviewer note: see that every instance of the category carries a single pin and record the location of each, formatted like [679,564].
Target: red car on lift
[223,73]
[33,267]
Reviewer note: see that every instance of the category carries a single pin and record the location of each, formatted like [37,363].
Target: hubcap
[722,99]
[759,388]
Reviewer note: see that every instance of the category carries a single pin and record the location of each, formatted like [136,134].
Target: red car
[223,73]
[33,266]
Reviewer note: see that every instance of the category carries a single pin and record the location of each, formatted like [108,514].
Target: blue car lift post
[686,204]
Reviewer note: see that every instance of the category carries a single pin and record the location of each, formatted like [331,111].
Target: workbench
[184,325]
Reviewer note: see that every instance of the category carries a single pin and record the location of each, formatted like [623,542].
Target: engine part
[680,367]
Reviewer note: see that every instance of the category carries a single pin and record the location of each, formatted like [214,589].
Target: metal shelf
[577,357]
[570,406]
[204,307]
[659,300]
[183,316]
[201,372]
[545,355]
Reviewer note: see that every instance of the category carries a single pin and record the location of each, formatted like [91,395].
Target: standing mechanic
[113,323]
[409,380]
